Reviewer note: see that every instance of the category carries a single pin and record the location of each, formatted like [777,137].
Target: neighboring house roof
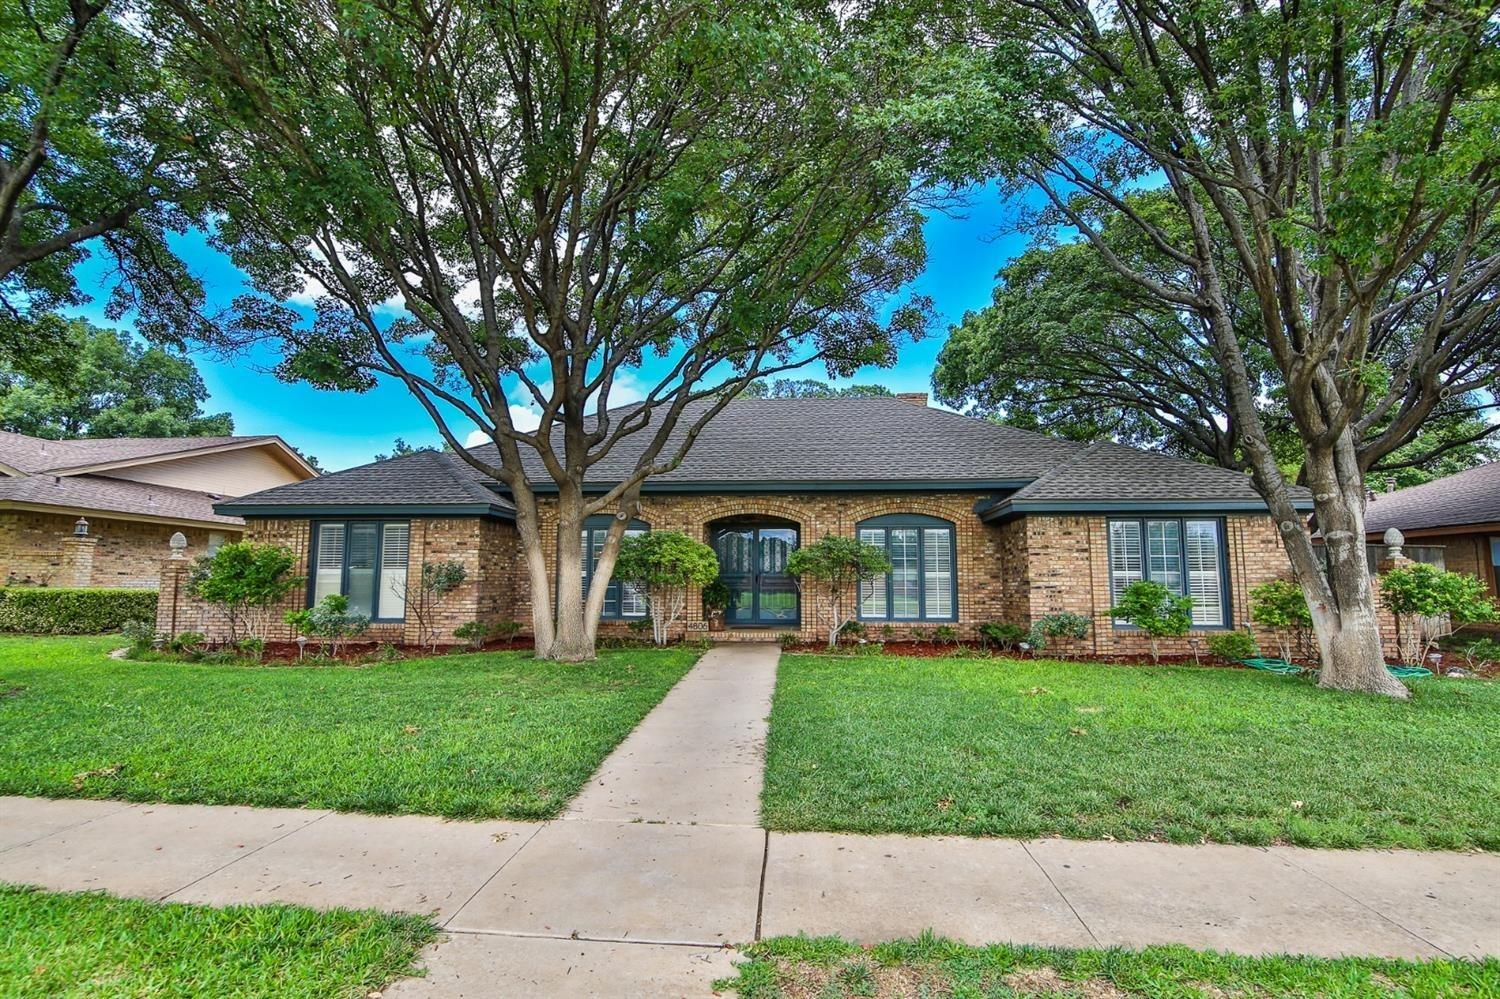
[1471,497]
[421,482]
[781,445]
[98,494]
[141,478]
[28,455]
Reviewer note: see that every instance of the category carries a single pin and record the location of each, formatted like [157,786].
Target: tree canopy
[99,154]
[809,388]
[553,194]
[112,386]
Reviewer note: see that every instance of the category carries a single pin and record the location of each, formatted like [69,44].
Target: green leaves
[666,559]
[835,560]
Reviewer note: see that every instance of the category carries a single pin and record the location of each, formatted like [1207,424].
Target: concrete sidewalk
[659,866]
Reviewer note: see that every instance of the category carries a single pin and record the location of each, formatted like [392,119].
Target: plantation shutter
[395,545]
[328,576]
[1125,563]
[1205,574]
[937,571]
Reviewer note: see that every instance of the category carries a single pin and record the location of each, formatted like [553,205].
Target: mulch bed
[363,651]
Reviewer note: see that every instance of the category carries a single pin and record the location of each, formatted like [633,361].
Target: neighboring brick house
[983,522]
[1458,516]
[100,512]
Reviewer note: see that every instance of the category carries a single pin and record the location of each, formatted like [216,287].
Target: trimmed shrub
[59,610]
[1232,646]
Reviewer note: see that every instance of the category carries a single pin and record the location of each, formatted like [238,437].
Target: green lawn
[95,945]
[826,968]
[1004,748]
[471,736]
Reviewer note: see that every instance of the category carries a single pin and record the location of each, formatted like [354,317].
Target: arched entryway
[752,552]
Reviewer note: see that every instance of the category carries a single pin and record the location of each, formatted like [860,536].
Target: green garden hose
[1285,668]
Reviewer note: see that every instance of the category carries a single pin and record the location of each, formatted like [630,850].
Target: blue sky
[965,249]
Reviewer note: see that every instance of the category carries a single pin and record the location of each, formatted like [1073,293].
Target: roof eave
[70,509]
[284,449]
[300,510]
[1010,509]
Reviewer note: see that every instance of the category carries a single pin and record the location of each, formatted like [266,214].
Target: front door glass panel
[752,564]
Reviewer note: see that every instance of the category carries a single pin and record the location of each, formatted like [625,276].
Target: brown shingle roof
[1471,497]
[98,492]
[790,444]
[35,454]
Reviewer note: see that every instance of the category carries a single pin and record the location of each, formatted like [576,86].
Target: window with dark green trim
[1186,555]
[364,560]
[923,582]
[622,601]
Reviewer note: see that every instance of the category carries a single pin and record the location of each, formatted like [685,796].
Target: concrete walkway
[660,864]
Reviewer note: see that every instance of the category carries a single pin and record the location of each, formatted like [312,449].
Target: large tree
[1071,347]
[558,194]
[1331,165]
[98,155]
[113,386]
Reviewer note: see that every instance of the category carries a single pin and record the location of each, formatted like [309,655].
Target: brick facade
[1018,571]
[40,548]
[485,548]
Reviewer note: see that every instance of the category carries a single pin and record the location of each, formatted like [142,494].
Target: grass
[97,945]
[1009,748]
[489,735]
[828,968]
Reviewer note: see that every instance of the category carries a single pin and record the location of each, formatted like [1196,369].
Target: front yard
[993,747]
[97,945]
[797,967]
[490,735]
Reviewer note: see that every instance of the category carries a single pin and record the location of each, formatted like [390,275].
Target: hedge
[57,610]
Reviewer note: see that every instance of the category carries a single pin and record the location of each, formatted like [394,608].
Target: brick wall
[1018,571]
[39,548]
[1069,560]
[986,566]
[486,549]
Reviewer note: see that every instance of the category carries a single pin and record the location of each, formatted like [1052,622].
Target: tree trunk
[573,640]
[1344,613]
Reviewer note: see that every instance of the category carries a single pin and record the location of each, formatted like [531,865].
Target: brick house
[982,522]
[1454,520]
[99,512]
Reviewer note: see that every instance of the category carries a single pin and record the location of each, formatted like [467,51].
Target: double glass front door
[752,563]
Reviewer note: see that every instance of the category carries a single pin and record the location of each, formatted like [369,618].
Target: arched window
[923,582]
[621,600]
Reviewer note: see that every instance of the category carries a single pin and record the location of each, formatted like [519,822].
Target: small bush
[1063,624]
[140,634]
[788,639]
[188,643]
[505,630]
[330,621]
[473,632]
[852,631]
[251,648]
[1155,610]
[57,610]
[1233,646]
[945,634]
[1481,653]
[1003,635]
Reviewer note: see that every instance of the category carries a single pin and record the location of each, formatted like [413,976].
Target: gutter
[1009,509]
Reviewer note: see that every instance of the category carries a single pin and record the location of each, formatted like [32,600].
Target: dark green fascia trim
[370,510]
[1010,509]
[809,486]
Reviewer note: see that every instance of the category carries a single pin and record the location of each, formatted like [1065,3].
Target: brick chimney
[915,398]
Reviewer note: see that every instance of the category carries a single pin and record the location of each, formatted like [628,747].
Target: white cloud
[476,438]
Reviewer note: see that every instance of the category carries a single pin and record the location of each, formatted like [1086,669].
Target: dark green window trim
[1225,590]
[613,606]
[921,524]
[315,530]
